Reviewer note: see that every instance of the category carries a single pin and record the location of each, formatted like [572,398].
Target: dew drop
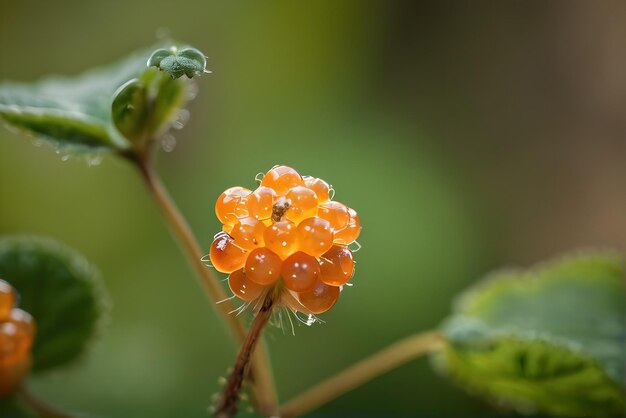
[183,116]
[192,90]
[168,143]
[94,159]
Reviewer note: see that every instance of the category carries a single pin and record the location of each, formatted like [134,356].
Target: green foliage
[61,290]
[175,62]
[550,339]
[114,108]
[71,112]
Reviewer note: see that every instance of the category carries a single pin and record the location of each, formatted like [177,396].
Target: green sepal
[130,109]
[144,108]
[187,61]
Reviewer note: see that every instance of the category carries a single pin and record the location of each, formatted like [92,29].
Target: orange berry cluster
[17,331]
[287,230]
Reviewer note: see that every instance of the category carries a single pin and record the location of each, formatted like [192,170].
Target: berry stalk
[362,372]
[263,389]
[227,405]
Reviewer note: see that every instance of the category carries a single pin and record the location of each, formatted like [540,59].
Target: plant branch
[227,406]
[362,372]
[263,389]
[43,409]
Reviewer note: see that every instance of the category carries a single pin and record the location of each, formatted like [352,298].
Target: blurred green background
[468,136]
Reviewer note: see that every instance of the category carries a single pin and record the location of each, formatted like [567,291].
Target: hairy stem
[43,409]
[263,389]
[362,372]
[227,406]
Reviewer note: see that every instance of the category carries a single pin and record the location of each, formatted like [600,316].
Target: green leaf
[53,124]
[61,290]
[175,62]
[71,112]
[549,339]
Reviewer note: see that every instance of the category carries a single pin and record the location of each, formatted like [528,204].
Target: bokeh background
[468,135]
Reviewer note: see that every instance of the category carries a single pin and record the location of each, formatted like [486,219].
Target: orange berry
[261,202]
[16,336]
[320,187]
[7,299]
[281,238]
[248,233]
[244,288]
[302,205]
[231,205]
[282,178]
[263,266]
[350,233]
[226,257]
[320,298]
[24,322]
[300,271]
[315,236]
[11,375]
[336,213]
[337,266]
